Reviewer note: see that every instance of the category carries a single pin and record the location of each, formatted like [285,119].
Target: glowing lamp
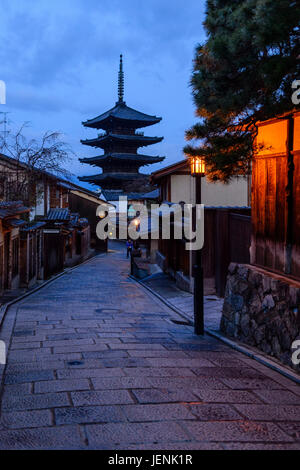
[197,166]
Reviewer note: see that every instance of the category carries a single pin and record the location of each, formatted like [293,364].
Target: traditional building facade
[176,184]
[86,203]
[31,253]
[48,191]
[262,299]
[11,222]
[227,226]
[51,192]
[33,244]
[120,141]
[66,240]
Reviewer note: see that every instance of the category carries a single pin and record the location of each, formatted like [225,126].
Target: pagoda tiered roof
[133,158]
[133,139]
[120,142]
[111,177]
[121,114]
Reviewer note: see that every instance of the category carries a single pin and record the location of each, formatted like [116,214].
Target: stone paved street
[96,362]
[183,301]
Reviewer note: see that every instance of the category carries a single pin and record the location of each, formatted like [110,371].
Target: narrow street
[96,362]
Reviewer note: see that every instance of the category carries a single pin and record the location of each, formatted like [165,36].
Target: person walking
[129,246]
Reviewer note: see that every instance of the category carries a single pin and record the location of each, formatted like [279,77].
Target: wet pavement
[163,285]
[96,362]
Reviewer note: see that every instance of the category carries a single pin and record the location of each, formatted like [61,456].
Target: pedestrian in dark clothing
[129,246]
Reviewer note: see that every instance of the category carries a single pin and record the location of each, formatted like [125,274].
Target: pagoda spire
[121,81]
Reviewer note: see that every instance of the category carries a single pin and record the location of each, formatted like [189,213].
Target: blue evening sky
[60,59]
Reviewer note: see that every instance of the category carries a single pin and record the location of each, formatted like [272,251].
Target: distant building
[120,141]
[85,203]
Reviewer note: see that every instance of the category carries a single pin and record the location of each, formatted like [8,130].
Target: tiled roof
[111,195]
[74,218]
[129,157]
[83,221]
[167,170]
[114,195]
[58,214]
[113,176]
[150,195]
[10,209]
[33,226]
[122,112]
[139,140]
[14,222]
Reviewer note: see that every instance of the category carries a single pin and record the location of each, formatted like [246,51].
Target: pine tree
[242,74]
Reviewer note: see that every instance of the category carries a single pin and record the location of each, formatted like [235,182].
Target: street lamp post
[137,223]
[197,171]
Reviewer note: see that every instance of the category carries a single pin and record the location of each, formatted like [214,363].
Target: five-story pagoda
[120,141]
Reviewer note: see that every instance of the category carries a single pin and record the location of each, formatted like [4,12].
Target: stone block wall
[262,309]
[183,282]
[161,260]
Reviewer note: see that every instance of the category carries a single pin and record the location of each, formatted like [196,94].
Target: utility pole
[4,122]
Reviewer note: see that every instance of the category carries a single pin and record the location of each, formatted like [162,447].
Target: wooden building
[10,225]
[31,253]
[177,185]
[262,299]
[53,192]
[41,245]
[48,190]
[276,196]
[86,202]
[227,226]
[66,240]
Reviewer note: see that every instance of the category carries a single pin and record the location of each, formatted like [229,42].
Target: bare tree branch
[34,159]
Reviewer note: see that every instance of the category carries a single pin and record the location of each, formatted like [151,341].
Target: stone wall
[161,261]
[183,282]
[263,310]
